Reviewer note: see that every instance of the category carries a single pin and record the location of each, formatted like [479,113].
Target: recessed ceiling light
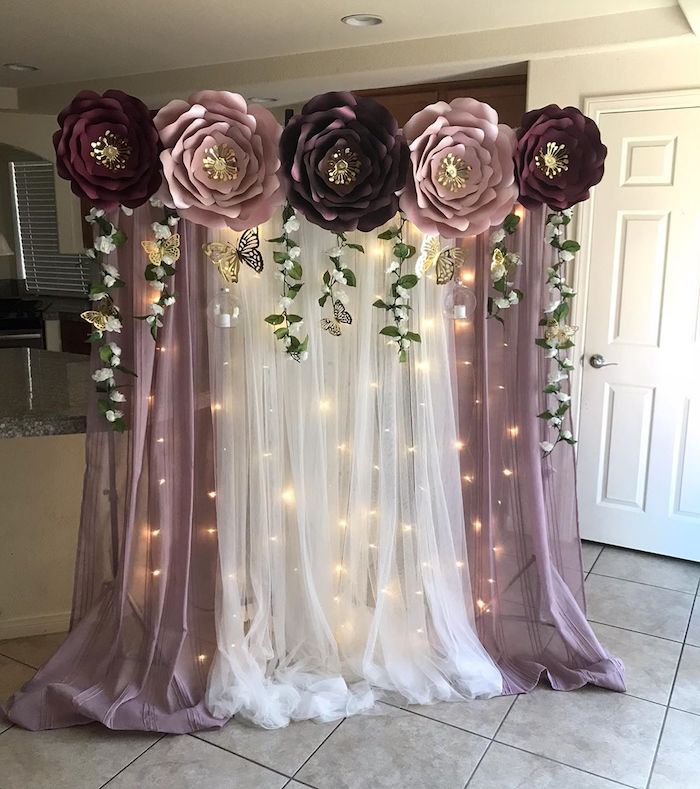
[262,99]
[20,67]
[362,20]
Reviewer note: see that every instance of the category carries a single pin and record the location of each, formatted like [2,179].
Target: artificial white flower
[116,396]
[159,271]
[569,291]
[113,323]
[552,305]
[398,301]
[284,304]
[501,303]
[403,328]
[105,244]
[404,343]
[160,231]
[555,377]
[556,219]
[341,296]
[173,220]
[110,270]
[565,256]
[294,252]
[114,361]
[550,353]
[551,232]
[279,276]
[498,235]
[567,435]
[295,328]
[419,269]
[98,295]
[568,212]
[155,202]
[555,421]
[563,397]
[116,350]
[288,265]
[393,266]
[112,416]
[108,280]
[103,374]
[567,364]
[338,276]
[127,211]
[156,309]
[402,292]
[153,320]
[90,253]
[94,215]
[546,446]
[401,313]
[326,289]
[168,301]
[287,341]
[157,284]
[336,252]
[514,259]
[291,225]
[513,297]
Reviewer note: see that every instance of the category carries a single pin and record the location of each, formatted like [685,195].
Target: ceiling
[85,42]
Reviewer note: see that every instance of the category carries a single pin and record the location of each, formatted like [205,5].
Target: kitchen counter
[42,393]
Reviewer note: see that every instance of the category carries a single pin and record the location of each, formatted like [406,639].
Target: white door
[639,431]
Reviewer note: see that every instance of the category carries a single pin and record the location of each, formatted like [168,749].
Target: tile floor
[644,608]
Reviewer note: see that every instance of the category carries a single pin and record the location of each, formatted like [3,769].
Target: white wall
[569,80]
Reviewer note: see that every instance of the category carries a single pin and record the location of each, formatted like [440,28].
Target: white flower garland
[106,319]
[558,335]
[287,325]
[163,252]
[503,264]
[333,282]
[398,303]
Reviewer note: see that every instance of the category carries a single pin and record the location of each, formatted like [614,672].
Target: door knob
[597,360]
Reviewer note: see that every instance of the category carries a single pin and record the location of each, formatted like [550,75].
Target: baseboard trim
[34,625]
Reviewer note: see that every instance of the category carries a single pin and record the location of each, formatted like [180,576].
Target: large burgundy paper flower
[220,160]
[107,147]
[559,157]
[343,162]
[462,168]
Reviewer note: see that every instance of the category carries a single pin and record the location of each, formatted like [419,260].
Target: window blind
[43,267]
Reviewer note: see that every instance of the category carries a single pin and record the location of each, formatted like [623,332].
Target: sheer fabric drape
[142,632]
[339,508]
[520,511]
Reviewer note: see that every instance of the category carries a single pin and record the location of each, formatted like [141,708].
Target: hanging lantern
[224,310]
[460,301]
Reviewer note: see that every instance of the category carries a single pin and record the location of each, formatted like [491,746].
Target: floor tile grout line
[21,662]
[564,764]
[493,739]
[639,632]
[316,750]
[670,695]
[444,723]
[478,764]
[641,583]
[595,561]
[126,766]
[195,736]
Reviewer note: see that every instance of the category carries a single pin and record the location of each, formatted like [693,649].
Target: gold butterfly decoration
[166,250]
[227,257]
[340,315]
[96,318]
[444,259]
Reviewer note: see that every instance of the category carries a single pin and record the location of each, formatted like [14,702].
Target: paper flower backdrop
[343,162]
[559,157]
[462,179]
[107,146]
[220,160]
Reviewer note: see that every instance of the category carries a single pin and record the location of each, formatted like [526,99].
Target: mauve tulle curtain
[520,511]
[143,629]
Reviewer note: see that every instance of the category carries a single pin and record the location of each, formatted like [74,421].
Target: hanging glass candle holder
[224,310]
[460,301]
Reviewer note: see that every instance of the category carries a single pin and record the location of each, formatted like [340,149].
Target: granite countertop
[42,393]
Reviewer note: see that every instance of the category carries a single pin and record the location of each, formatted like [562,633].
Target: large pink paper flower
[462,161]
[220,160]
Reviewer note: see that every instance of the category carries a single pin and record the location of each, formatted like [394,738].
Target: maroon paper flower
[107,147]
[343,162]
[559,157]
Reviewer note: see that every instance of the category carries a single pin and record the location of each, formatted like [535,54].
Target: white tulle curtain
[339,508]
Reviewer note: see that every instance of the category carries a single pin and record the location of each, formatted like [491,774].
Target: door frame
[595,107]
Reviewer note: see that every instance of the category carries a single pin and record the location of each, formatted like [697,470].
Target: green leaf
[542,343]
[119,238]
[387,235]
[326,278]
[322,301]
[403,356]
[407,281]
[511,222]
[390,331]
[126,370]
[545,415]
[294,318]
[94,336]
[350,277]
[280,257]
[293,344]
[303,346]
[413,336]
[402,251]
[295,272]
[119,425]
[287,212]
[274,320]
[278,240]
[381,304]
[105,353]
[518,293]
[295,288]
[570,246]
[358,247]
[104,405]
[279,333]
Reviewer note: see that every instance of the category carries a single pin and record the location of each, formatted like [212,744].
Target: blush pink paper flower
[220,160]
[462,179]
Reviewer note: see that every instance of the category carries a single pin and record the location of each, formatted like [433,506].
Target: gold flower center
[343,167]
[111,151]
[453,172]
[553,159]
[220,163]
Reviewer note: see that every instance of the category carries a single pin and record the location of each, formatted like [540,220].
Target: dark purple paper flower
[343,162]
[108,147]
[559,157]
